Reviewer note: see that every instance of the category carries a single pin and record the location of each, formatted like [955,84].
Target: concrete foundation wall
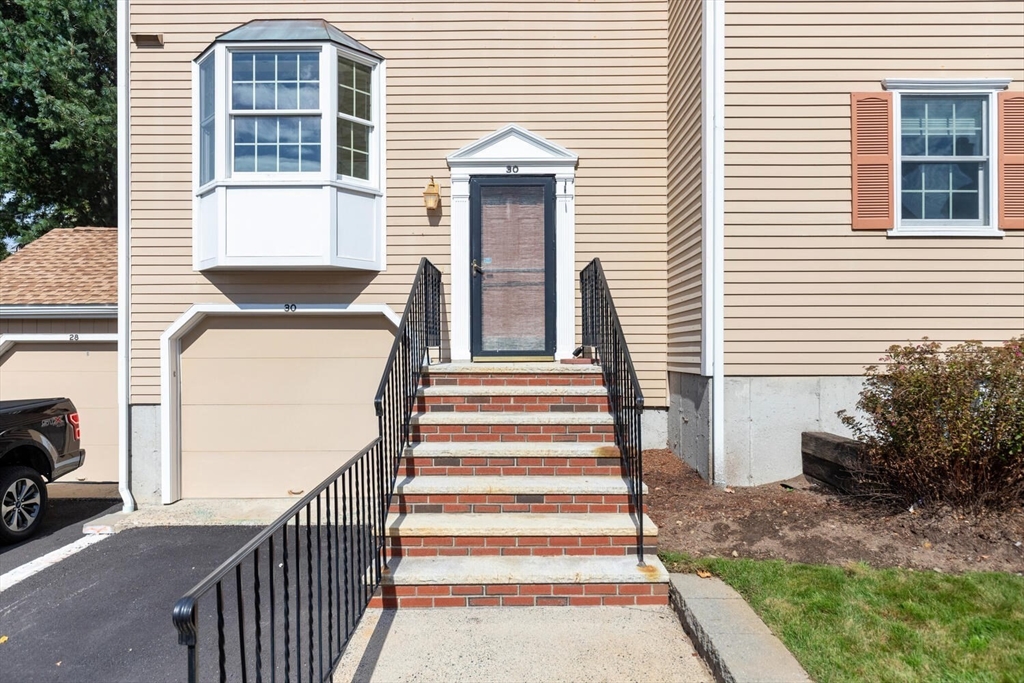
[654,426]
[764,417]
[689,420]
[144,455]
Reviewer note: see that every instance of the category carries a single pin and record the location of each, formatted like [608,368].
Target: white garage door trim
[170,369]
[8,341]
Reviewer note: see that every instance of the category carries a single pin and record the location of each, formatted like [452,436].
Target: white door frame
[513,150]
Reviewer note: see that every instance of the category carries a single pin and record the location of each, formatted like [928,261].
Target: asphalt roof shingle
[63,267]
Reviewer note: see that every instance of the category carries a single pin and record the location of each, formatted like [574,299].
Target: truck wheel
[22,503]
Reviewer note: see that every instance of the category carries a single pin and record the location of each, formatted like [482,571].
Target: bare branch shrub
[944,427]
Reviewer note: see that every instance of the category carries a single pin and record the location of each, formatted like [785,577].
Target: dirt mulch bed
[809,524]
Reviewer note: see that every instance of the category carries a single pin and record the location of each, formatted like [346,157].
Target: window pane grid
[269,144]
[353,149]
[207,115]
[275,80]
[354,90]
[943,150]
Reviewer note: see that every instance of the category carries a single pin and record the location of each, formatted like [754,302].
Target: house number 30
[290,308]
[511,169]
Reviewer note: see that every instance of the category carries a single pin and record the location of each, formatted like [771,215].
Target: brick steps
[523,581]
[539,534]
[513,495]
[497,494]
[512,375]
[512,459]
[513,427]
[510,399]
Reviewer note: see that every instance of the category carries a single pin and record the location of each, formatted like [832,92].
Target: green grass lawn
[862,624]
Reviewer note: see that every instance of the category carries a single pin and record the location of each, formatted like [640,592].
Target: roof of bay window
[293,30]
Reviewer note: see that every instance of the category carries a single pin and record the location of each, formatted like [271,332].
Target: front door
[512,267]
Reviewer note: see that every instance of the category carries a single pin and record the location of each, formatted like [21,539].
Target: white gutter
[123,256]
[58,311]
[713,242]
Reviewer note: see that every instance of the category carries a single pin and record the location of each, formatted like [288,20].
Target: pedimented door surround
[512,151]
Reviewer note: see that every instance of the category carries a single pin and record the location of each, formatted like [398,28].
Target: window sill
[287,181]
[938,231]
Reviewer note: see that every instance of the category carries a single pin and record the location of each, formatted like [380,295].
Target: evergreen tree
[58,116]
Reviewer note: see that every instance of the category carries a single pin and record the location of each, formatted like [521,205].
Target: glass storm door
[512,271]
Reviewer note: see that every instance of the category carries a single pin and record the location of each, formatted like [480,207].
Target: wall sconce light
[432,195]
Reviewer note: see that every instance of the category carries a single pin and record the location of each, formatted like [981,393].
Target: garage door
[86,373]
[271,406]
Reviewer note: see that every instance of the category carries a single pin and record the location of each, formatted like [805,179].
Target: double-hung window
[355,118]
[289,171]
[275,111]
[944,167]
[939,158]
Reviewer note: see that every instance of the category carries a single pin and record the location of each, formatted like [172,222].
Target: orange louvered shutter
[1011,160]
[872,161]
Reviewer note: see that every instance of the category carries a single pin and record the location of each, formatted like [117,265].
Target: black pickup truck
[39,439]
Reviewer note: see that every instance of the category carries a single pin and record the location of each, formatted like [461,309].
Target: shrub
[944,427]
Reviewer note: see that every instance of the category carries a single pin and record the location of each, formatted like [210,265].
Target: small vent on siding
[1011,161]
[872,157]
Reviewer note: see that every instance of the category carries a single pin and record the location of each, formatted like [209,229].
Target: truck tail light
[75,422]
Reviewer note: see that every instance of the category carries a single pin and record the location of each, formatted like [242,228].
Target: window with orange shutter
[938,158]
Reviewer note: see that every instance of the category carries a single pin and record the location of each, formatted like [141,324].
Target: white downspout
[123,257]
[713,171]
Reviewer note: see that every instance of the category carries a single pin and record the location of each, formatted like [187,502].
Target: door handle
[476,268]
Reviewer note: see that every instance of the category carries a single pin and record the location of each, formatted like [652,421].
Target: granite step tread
[512,418]
[525,570]
[498,390]
[511,368]
[496,449]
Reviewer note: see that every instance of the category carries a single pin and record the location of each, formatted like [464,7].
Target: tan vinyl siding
[684,187]
[57,326]
[590,76]
[805,294]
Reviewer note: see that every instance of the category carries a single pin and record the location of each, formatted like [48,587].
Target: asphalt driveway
[104,614]
[61,525]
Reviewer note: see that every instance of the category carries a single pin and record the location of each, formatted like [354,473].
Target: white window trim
[328,112]
[987,87]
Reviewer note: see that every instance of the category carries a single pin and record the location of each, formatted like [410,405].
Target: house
[777,190]
[58,334]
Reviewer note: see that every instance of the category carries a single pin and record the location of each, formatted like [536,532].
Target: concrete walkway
[551,644]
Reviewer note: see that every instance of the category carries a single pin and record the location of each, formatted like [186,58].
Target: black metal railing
[285,605]
[603,331]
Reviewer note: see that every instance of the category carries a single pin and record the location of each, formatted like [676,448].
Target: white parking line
[19,574]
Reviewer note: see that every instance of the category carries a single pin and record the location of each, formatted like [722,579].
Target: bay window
[288,152]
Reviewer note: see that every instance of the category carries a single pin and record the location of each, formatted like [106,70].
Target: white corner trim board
[170,357]
[7,341]
[713,152]
[513,150]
